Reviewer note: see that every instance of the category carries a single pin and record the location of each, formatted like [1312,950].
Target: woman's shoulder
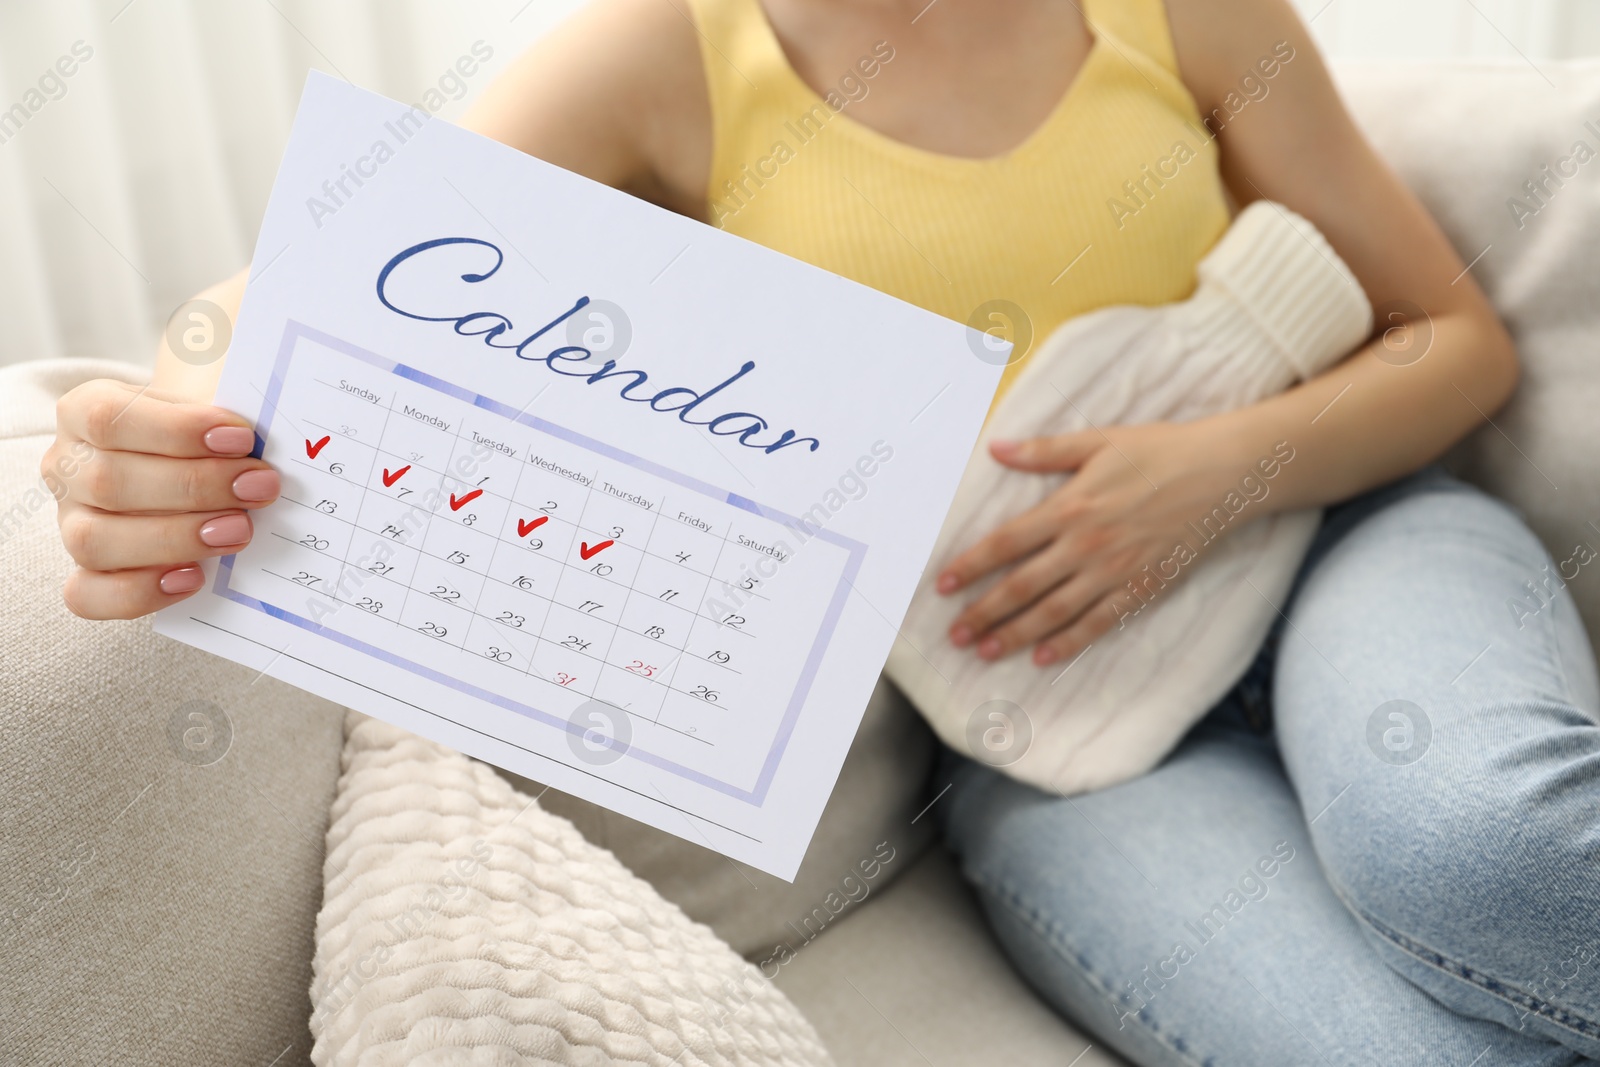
[1218,42]
[615,93]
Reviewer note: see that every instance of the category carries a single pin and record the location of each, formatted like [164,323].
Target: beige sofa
[164,813]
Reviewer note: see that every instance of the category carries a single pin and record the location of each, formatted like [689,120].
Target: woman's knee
[1405,687]
[1484,849]
[1446,748]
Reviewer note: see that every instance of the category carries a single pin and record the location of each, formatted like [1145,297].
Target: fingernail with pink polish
[1044,656]
[256,485]
[182,580]
[990,649]
[226,530]
[961,636]
[230,440]
[947,583]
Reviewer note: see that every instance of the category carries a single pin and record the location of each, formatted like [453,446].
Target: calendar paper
[577,486]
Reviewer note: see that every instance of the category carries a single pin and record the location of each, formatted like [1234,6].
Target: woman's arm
[1359,425]
[1298,146]
[615,94]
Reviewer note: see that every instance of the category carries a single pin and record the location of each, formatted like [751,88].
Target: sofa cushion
[163,810]
[1469,138]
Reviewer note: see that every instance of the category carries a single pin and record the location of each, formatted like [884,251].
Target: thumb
[1060,452]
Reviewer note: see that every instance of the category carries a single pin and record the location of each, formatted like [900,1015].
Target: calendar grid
[443,474]
[513,498]
[488,578]
[365,486]
[423,552]
[533,636]
[473,598]
[536,638]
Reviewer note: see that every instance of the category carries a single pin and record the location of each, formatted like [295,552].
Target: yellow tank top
[1113,200]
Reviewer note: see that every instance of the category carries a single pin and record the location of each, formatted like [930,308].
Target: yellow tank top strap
[1137,24]
[751,85]
[734,47]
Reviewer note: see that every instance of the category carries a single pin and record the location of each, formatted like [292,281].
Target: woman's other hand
[1092,552]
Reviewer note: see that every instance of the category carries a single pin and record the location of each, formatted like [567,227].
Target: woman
[1279,891]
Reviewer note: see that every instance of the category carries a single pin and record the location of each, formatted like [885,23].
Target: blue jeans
[1382,848]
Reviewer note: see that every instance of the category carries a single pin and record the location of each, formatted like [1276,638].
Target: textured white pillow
[1274,304]
[462,923]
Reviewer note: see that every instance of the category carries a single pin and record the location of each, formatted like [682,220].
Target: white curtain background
[145,179]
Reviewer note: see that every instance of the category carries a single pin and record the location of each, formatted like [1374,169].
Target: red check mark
[457,503]
[313,449]
[390,479]
[526,528]
[585,551]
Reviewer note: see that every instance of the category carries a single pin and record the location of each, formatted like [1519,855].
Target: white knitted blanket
[462,924]
[1274,304]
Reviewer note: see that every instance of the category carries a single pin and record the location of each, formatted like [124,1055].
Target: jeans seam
[1557,652]
[1500,990]
[1030,916]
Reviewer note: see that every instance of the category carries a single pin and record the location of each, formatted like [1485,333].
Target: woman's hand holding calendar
[145,486]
